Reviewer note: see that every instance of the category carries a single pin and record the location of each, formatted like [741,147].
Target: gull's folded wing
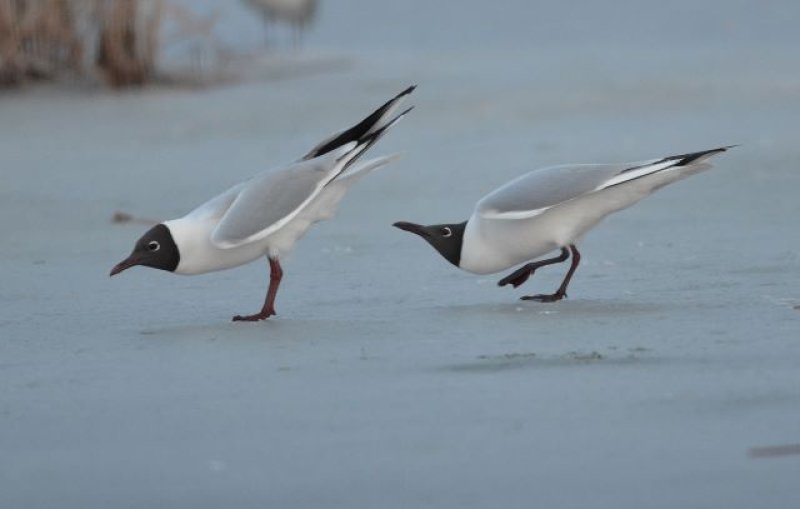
[535,192]
[271,199]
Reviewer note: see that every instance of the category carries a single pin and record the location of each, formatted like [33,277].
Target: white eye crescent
[153,246]
[446,232]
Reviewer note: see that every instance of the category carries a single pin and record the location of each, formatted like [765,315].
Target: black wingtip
[686,159]
[364,143]
[359,131]
[403,114]
[373,137]
[406,91]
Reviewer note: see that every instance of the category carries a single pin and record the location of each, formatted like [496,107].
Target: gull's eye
[446,232]
[153,246]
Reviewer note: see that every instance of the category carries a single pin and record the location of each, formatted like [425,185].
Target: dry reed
[38,40]
[50,39]
[129,41]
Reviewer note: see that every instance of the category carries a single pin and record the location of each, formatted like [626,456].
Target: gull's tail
[367,131]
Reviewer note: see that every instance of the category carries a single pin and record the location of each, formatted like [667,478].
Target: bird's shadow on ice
[565,315]
[210,331]
[567,307]
[530,360]
[267,330]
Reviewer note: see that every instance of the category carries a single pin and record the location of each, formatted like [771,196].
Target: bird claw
[515,279]
[545,297]
[256,317]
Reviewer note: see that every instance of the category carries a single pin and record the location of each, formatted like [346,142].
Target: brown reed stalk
[45,39]
[38,40]
[129,41]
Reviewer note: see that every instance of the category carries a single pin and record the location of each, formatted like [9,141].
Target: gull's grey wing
[534,192]
[271,199]
[539,190]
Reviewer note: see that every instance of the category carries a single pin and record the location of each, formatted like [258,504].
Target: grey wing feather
[539,190]
[270,200]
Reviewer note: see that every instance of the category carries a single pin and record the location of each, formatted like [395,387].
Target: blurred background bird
[298,14]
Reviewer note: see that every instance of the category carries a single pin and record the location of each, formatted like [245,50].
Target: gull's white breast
[192,234]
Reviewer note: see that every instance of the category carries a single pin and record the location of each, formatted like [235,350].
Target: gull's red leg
[275,275]
[562,290]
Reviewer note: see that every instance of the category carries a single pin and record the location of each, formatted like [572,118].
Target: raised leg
[562,290]
[522,274]
[275,275]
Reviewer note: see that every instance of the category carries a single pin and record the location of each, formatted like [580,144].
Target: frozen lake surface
[390,379]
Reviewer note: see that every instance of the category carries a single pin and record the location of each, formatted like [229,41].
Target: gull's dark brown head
[447,239]
[155,249]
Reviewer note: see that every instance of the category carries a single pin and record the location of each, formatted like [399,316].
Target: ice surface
[389,379]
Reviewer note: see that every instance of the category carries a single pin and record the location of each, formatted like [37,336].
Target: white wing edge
[367,166]
[641,169]
[514,214]
[388,115]
[342,157]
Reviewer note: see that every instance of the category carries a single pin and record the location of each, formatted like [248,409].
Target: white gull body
[265,215]
[554,207]
[268,213]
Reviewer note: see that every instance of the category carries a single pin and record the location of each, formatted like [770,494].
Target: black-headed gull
[267,214]
[547,210]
